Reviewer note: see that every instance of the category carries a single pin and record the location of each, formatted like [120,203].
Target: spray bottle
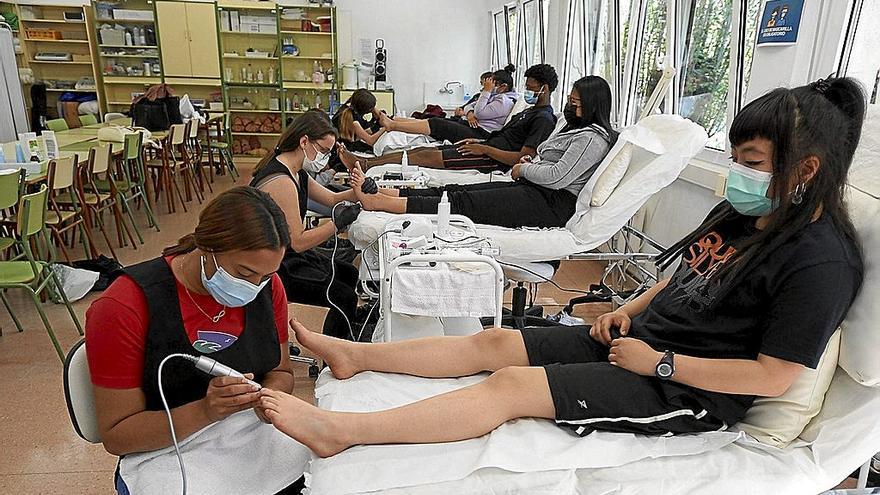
[404,165]
[444,209]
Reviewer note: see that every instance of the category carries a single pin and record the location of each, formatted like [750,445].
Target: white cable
[168,412]
[333,269]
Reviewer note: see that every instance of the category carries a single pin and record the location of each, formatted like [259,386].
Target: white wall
[428,41]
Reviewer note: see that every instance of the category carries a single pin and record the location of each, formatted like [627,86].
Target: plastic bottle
[2,155]
[444,209]
[128,39]
[19,153]
[271,75]
[260,76]
[318,100]
[404,164]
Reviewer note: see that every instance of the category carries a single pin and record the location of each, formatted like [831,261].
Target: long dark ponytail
[823,119]
[313,124]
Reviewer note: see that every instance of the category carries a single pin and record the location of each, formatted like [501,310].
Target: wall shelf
[245,110]
[307,85]
[132,80]
[60,90]
[303,57]
[51,21]
[145,47]
[64,62]
[242,57]
[127,21]
[29,40]
[274,35]
[107,55]
[307,33]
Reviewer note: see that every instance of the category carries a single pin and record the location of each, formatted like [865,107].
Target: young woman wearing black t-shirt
[763,283]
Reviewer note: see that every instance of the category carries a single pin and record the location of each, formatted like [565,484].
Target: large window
[705,71]
[710,43]
[519,35]
[591,45]
[652,53]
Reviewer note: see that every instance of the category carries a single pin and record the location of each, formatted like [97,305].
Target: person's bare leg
[470,412]
[433,357]
[412,126]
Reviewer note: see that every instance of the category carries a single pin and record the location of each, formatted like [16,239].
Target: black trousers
[306,276]
[454,130]
[506,204]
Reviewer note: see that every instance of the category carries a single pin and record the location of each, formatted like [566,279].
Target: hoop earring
[798,196]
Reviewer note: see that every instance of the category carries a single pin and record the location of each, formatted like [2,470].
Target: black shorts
[454,130]
[591,394]
[453,160]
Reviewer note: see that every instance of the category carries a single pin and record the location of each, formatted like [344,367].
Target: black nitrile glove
[369,186]
[344,215]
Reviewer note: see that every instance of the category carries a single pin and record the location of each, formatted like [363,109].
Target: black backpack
[156,115]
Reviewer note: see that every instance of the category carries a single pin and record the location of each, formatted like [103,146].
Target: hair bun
[509,68]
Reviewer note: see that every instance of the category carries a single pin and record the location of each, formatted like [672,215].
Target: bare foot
[356,180]
[337,353]
[386,122]
[304,422]
[346,157]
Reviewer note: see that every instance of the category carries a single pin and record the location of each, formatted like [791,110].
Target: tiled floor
[40,451]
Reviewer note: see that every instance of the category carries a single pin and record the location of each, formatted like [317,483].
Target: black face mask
[571,117]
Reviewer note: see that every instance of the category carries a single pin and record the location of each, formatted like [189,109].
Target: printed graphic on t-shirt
[689,286]
[208,341]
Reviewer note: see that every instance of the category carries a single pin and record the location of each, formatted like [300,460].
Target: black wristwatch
[666,366]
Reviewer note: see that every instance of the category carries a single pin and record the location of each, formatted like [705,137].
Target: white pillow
[779,420]
[860,341]
[612,175]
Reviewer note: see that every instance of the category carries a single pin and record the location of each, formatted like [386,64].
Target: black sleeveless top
[274,167]
[256,351]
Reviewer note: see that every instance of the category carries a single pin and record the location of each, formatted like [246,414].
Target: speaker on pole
[380,68]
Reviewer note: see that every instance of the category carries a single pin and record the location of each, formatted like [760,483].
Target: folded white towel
[444,290]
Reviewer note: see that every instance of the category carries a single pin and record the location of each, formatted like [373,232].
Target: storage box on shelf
[128,50]
[55,49]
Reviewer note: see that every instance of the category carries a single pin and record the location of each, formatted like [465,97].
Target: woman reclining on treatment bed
[545,194]
[486,115]
[764,282]
[520,137]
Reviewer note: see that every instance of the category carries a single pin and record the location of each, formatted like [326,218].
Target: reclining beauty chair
[620,262]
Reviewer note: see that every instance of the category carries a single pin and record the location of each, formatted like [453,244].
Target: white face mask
[319,163]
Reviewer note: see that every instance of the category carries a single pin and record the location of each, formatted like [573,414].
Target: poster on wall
[780,22]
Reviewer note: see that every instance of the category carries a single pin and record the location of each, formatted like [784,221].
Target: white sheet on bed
[521,446]
[516,245]
[398,141]
[441,177]
[836,442]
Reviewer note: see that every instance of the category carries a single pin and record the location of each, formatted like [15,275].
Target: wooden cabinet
[188,39]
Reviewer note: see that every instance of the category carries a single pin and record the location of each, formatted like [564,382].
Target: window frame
[625,60]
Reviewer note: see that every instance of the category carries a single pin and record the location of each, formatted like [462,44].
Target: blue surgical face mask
[747,190]
[228,290]
[531,97]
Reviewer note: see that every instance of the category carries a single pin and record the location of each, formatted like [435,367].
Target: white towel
[398,141]
[239,455]
[444,290]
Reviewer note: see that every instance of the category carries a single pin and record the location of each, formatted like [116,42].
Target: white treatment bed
[536,457]
[647,157]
